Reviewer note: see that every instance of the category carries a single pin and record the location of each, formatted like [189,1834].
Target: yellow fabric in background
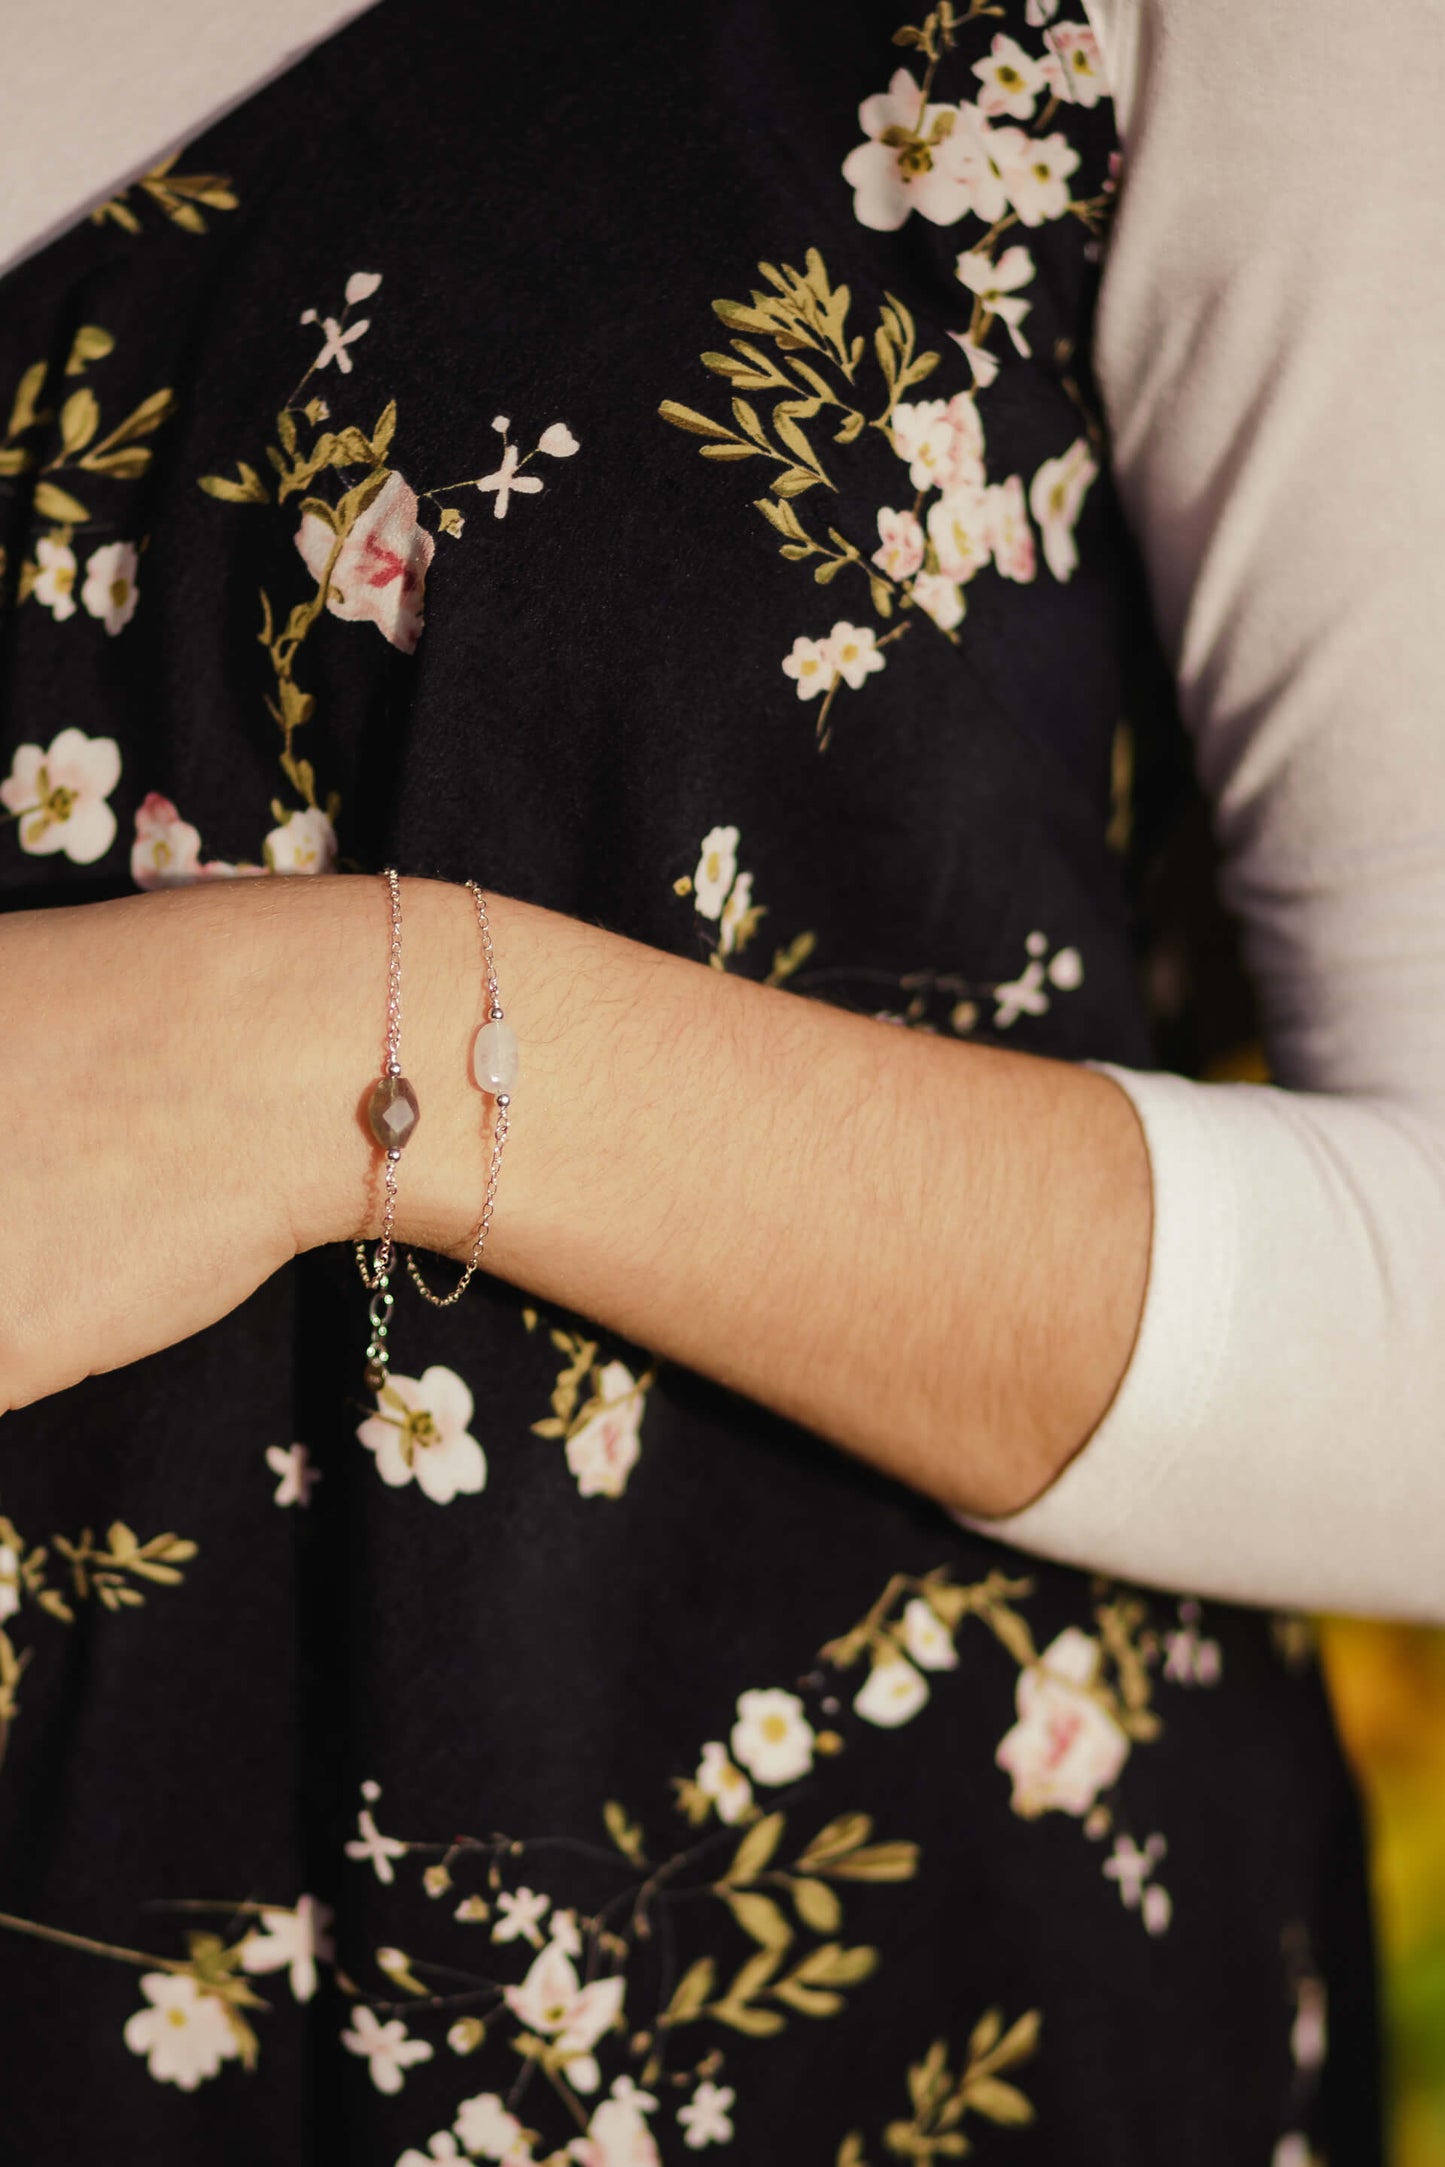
[1388,1683]
[1388,1686]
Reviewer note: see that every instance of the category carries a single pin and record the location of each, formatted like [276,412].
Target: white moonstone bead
[494,1058]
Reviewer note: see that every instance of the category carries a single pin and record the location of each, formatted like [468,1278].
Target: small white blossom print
[59,796]
[735,914]
[1028,994]
[810,665]
[850,655]
[339,333]
[185,2034]
[337,341]
[996,285]
[388,2049]
[373,1846]
[892,1693]
[1131,1869]
[772,1738]
[618,2135]
[293,1942]
[298,1478]
[1056,497]
[941,442]
[1309,2035]
[981,362]
[1295,2151]
[854,652]
[519,1916]
[716,868]
[706,2116]
[485,2127]
[1035,172]
[555,2004]
[959,529]
[1156,1909]
[442,2146]
[564,1934]
[506,479]
[932,159]
[110,591]
[419,1434]
[726,1785]
[1011,80]
[939,598]
[166,852]
[1081,65]
[927,1638]
[305,842]
[900,544]
[54,583]
[1191,1657]
[1010,536]
[9,1581]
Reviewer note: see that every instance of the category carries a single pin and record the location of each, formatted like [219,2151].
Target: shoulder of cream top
[90,96]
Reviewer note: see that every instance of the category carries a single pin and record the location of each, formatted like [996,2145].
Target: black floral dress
[645,458]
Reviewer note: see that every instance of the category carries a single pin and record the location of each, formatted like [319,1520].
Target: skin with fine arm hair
[933,1254]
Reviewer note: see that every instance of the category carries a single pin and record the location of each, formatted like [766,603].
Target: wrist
[318,991]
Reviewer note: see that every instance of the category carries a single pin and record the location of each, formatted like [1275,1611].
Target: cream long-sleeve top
[1269,347]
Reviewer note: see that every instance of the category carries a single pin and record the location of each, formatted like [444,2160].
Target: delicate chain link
[499,1130]
[393,975]
[377,1277]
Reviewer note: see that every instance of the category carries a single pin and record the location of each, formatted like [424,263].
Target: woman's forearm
[931,1253]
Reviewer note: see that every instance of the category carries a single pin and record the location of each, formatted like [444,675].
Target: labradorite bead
[393,1112]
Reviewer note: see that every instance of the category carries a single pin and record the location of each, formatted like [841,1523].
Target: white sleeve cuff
[1279,1434]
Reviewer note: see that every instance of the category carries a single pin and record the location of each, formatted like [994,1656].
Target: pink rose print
[1065,1747]
[603,1450]
[379,576]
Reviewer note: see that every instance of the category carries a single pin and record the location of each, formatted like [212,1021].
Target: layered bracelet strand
[393,1112]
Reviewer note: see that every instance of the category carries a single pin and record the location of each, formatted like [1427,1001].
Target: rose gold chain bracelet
[392,1114]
